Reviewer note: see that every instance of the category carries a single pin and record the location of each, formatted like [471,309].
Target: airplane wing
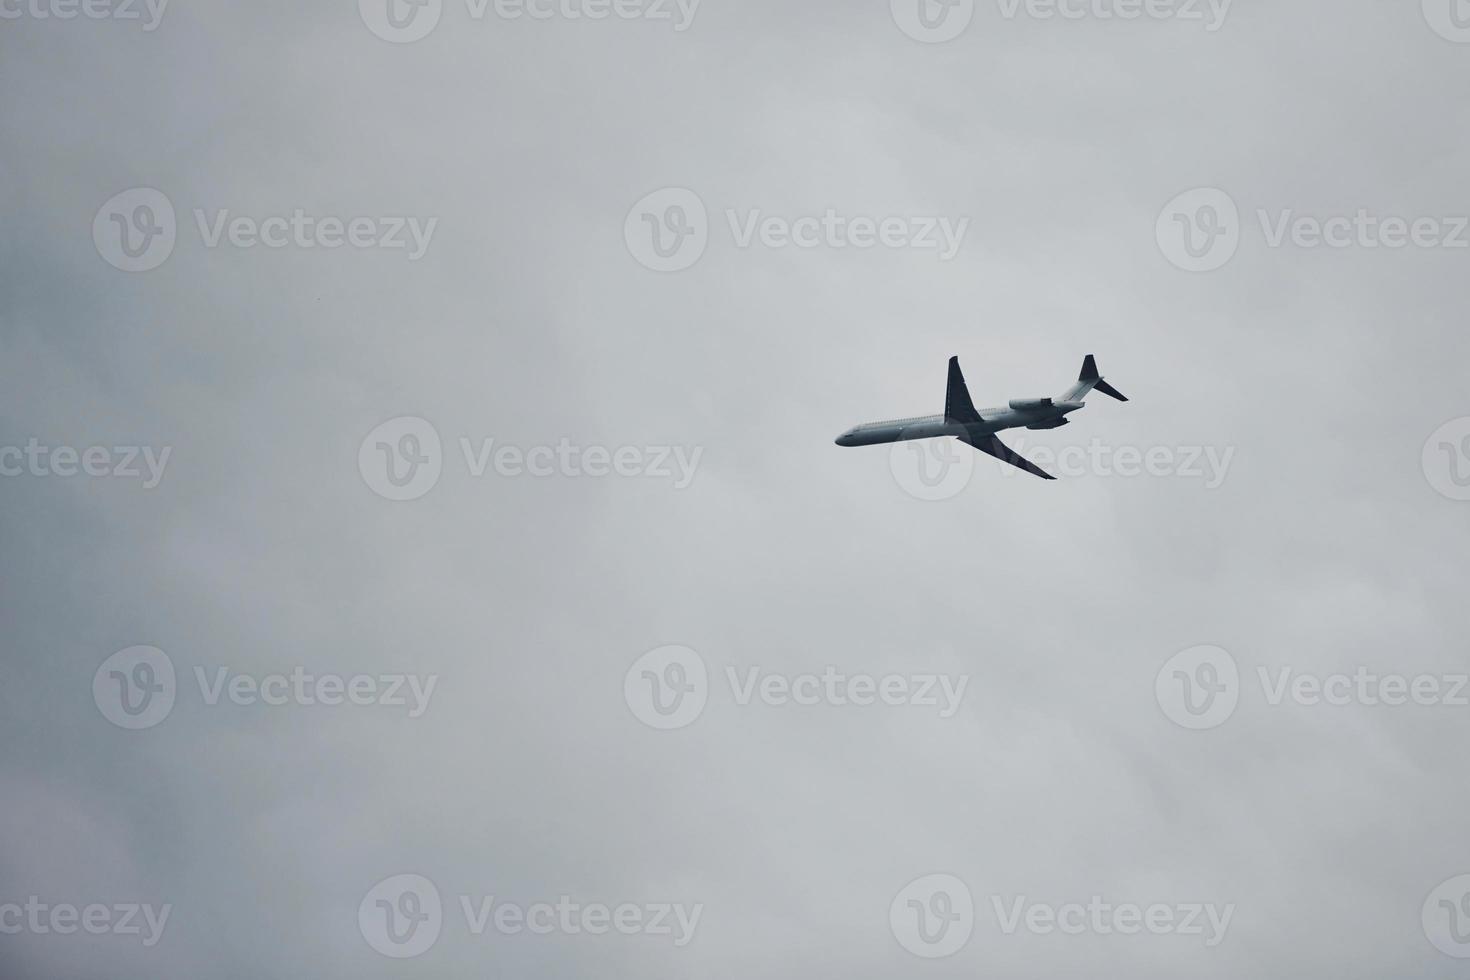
[987,443]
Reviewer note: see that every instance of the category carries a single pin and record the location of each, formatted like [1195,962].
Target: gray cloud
[529,321]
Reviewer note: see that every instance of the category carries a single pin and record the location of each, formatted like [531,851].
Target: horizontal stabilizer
[1090,380]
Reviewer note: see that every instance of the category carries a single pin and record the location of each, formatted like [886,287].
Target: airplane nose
[844,440]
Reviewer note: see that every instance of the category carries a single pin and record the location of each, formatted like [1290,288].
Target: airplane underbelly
[926,430]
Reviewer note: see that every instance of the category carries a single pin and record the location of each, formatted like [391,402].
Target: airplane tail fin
[1090,380]
[957,404]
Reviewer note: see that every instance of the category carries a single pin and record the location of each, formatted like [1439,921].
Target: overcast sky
[416,428]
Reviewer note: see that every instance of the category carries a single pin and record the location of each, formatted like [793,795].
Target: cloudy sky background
[1327,547]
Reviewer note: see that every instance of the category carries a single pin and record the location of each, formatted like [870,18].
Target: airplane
[978,428]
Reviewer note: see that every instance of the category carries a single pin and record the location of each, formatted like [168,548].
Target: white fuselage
[933,426]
